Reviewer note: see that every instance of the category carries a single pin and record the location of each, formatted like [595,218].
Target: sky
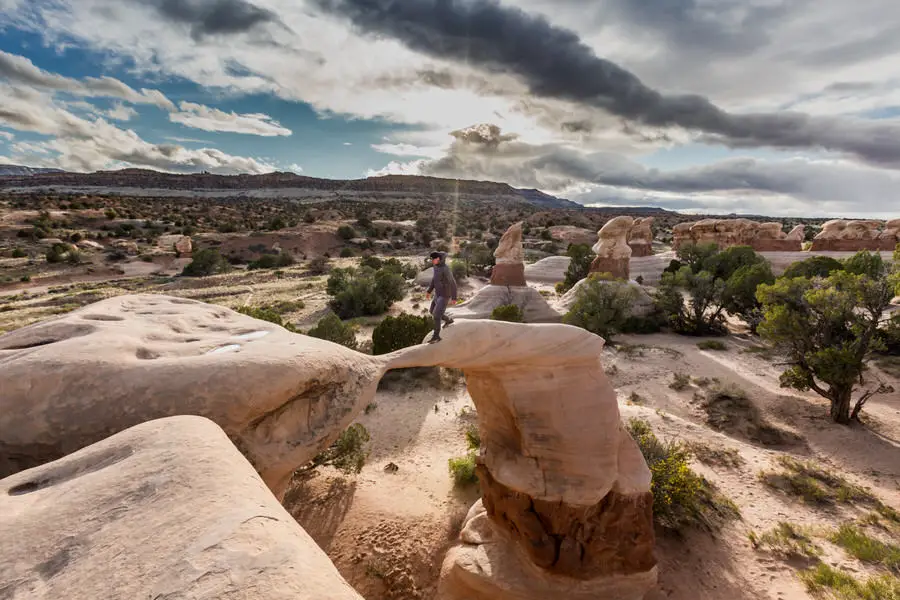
[775,107]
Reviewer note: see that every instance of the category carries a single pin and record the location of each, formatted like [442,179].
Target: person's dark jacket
[442,283]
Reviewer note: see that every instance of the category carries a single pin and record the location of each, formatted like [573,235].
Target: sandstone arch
[566,493]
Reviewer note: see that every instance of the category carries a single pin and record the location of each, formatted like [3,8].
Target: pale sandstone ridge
[566,506]
[641,237]
[612,249]
[122,361]
[762,237]
[510,259]
[166,509]
[840,235]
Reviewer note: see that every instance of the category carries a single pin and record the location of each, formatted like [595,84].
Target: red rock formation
[613,251]
[850,236]
[725,233]
[641,237]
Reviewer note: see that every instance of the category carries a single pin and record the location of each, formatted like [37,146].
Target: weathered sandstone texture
[510,259]
[535,308]
[762,237]
[641,237]
[566,505]
[117,363]
[842,236]
[569,234]
[612,249]
[165,509]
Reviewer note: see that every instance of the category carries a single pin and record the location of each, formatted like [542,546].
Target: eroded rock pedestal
[725,233]
[508,286]
[641,237]
[612,249]
[566,507]
[509,257]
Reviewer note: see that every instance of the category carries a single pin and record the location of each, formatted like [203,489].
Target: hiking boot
[434,340]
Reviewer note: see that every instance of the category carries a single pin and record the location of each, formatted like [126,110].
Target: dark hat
[436,255]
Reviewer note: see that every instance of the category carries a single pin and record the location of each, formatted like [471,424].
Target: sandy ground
[387,532]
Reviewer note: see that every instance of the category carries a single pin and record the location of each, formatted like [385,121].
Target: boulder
[612,249]
[550,270]
[184,246]
[423,279]
[798,233]
[165,509]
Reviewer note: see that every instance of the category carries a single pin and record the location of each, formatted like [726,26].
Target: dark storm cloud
[555,63]
[215,17]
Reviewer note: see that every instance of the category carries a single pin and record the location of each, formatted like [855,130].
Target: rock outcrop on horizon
[762,237]
[612,249]
[566,508]
[165,509]
[641,237]
[509,258]
[842,236]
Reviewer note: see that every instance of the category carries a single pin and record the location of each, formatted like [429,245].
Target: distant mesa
[27,177]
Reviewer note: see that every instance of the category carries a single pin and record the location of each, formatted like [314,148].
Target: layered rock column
[566,509]
[509,257]
[641,238]
[612,249]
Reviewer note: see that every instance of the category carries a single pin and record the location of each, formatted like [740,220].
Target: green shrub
[331,328]
[402,331]
[364,292]
[866,263]
[826,581]
[373,262]
[405,270]
[816,266]
[462,469]
[459,269]
[347,253]
[681,498]
[581,257]
[60,252]
[345,232]
[272,261]
[19,253]
[510,313]
[206,262]
[602,307]
[473,438]
[264,313]
[347,454]
[680,381]
[712,345]
[319,265]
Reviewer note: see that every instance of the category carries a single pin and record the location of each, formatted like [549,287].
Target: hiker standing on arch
[444,287]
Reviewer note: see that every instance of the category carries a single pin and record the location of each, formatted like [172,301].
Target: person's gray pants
[438,306]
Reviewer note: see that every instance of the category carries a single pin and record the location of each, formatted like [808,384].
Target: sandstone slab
[166,509]
[122,361]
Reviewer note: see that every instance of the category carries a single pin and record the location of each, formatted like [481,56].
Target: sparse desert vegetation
[734,445]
